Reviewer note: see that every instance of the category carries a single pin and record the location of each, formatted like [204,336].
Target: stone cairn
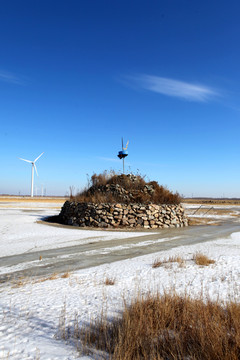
[123,215]
[126,213]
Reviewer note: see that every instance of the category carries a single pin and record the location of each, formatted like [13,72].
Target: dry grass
[65,275]
[211,201]
[54,276]
[169,328]
[202,260]
[23,281]
[109,281]
[172,259]
[20,283]
[157,263]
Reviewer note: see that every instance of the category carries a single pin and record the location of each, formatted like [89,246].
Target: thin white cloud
[10,78]
[171,87]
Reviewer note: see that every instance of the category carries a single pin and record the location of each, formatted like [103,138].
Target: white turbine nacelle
[33,167]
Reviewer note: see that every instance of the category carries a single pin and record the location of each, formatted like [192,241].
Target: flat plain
[36,312]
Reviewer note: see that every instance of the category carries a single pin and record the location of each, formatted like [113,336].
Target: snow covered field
[32,311]
[18,229]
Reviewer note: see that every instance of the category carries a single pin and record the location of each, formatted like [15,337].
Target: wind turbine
[33,167]
[122,154]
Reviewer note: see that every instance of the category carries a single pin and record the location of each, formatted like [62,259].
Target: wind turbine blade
[122,143]
[26,160]
[126,146]
[38,157]
[35,168]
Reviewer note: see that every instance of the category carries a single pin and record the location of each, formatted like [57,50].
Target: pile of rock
[123,215]
[126,189]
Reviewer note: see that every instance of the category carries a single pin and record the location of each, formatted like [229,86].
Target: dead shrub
[202,260]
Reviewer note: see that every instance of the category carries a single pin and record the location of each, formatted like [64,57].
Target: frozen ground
[212,211]
[33,313]
[21,233]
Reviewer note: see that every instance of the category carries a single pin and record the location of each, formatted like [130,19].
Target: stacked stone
[125,196]
[123,215]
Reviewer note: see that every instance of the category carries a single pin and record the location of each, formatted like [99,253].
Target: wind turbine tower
[33,167]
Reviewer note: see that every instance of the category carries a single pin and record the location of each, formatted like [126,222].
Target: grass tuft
[54,276]
[109,281]
[202,260]
[65,275]
[157,263]
[172,259]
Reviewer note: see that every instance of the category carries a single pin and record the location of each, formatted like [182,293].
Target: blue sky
[76,76]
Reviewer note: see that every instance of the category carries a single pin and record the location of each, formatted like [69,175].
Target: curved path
[60,260]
